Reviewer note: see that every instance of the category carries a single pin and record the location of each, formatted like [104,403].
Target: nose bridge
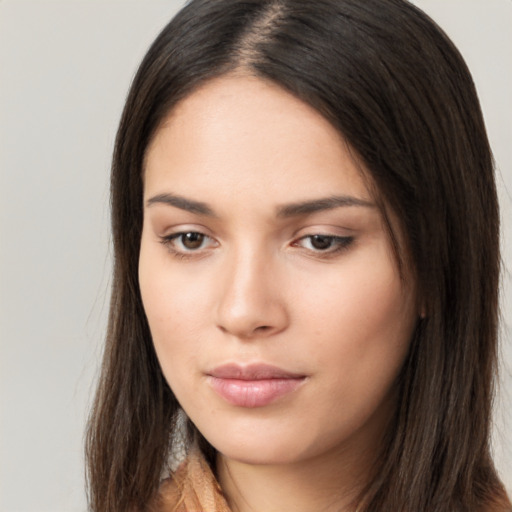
[250,301]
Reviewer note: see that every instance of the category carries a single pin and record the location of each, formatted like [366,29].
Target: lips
[253,386]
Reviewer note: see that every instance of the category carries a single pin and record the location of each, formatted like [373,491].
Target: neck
[331,483]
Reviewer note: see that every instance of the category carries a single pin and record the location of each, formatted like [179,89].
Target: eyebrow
[182,203]
[287,210]
[317,205]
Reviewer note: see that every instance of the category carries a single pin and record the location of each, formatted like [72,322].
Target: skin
[257,289]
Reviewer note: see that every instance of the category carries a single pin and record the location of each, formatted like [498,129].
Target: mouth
[254,385]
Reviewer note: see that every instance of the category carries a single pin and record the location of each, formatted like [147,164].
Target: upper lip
[259,371]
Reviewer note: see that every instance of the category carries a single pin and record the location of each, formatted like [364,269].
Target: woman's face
[267,275]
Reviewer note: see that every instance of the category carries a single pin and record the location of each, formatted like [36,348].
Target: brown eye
[326,244]
[192,240]
[322,242]
[189,244]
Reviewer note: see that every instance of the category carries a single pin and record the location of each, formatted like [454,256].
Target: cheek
[364,301]
[176,333]
[361,321]
[172,306]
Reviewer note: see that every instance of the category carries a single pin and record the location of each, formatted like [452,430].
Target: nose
[251,302]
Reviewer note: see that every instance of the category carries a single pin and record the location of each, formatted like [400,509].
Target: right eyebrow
[182,203]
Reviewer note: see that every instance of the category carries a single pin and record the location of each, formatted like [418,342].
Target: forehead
[244,135]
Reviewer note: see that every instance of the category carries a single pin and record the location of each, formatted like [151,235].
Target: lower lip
[253,393]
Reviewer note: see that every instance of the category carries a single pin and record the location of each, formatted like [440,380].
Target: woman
[306,263]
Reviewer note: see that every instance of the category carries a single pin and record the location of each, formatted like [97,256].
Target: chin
[255,456]
[262,448]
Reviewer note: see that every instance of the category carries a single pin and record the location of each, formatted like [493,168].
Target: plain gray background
[65,67]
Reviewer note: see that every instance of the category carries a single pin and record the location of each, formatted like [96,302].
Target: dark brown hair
[399,92]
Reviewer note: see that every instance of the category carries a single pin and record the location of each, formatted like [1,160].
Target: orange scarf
[193,488]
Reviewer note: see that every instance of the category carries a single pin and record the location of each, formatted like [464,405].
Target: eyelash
[168,242]
[338,244]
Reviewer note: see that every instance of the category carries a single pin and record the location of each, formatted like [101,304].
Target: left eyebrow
[317,205]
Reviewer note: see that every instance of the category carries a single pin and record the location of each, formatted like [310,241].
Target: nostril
[262,328]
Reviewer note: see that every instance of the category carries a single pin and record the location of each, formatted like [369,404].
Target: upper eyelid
[344,238]
[180,229]
[177,234]
[326,235]
[295,236]
[325,228]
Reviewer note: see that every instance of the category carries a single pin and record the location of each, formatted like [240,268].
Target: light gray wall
[65,67]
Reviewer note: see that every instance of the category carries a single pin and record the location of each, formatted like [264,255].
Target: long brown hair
[399,92]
